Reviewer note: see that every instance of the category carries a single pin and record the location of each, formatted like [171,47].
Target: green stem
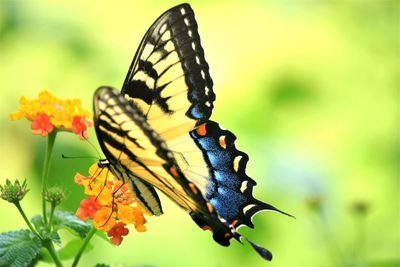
[26,218]
[50,247]
[46,167]
[331,245]
[83,247]
[358,256]
[53,207]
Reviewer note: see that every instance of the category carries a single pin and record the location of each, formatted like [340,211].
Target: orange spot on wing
[173,171]
[234,222]
[206,227]
[210,207]
[193,188]
[227,235]
[201,130]
[222,142]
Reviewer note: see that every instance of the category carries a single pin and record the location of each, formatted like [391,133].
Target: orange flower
[79,126]
[41,125]
[88,208]
[117,232]
[48,113]
[116,208]
[104,219]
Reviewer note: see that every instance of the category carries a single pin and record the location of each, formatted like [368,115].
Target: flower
[13,193]
[48,112]
[117,232]
[41,125]
[111,204]
[88,208]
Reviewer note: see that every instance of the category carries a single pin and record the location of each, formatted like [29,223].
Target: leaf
[70,250]
[67,220]
[18,248]
[43,230]
[44,256]
[101,265]
[38,222]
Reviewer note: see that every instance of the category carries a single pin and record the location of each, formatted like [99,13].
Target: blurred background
[310,88]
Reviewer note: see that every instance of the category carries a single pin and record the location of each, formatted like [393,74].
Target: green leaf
[18,248]
[70,250]
[67,220]
[38,222]
[101,265]
[44,231]
[44,256]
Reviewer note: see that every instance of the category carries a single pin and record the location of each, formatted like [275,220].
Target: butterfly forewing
[169,78]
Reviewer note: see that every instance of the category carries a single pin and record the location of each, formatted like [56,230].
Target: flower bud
[54,195]
[13,193]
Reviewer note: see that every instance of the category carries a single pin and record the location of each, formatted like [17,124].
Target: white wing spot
[236,161]
[193,46]
[208,104]
[190,33]
[248,207]
[206,90]
[243,186]
[164,146]
[163,28]
[203,75]
[183,11]
[197,60]
[186,21]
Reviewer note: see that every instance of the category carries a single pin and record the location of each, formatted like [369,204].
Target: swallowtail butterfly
[157,133]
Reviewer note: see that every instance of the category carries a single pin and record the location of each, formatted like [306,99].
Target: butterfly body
[156,133]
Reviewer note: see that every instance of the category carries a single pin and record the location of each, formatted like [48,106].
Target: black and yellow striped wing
[138,155]
[169,78]
[157,133]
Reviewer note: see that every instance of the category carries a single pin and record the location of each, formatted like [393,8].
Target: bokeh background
[310,88]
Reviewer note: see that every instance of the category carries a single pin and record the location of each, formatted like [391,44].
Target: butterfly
[157,133]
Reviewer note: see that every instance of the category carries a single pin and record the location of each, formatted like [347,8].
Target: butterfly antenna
[93,146]
[77,157]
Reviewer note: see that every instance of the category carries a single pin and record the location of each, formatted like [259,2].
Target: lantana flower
[48,113]
[110,204]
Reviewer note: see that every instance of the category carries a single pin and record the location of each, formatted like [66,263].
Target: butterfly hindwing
[139,155]
[228,189]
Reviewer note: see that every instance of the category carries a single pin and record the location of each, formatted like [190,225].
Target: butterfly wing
[169,76]
[159,132]
[228,189]
[139,155]
[169,82]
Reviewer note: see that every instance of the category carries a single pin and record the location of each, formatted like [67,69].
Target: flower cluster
[13,193]
[47,113]
[111,204]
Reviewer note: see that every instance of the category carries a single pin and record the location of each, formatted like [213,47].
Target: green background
[310,88]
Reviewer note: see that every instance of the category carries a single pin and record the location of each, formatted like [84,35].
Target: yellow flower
[48,112]
[111,204]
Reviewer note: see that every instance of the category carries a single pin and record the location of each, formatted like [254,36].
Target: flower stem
[50,247]
[334,251]
[46,167]
[26,218]
[53,207]
[83,247]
